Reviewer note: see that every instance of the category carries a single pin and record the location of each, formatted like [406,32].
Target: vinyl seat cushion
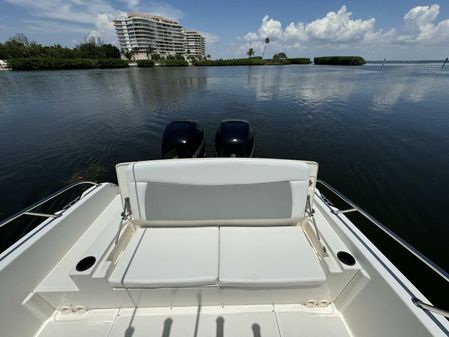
[169,257]
[267,257]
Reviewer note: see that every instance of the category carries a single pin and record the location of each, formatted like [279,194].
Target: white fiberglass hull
[43,294]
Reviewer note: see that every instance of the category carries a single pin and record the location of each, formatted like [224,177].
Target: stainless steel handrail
[429,263]
[27,211]
[390,233]
[424,306]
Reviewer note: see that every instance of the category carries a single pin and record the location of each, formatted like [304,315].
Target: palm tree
[208,56]
[267,41]
[250,52]
[149,50]
[127,54]
[134,52]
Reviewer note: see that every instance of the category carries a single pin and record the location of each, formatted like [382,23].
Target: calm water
[380,135]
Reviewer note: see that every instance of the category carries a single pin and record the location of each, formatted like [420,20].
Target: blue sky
[373,29]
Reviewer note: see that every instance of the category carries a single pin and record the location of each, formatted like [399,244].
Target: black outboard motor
[183,139]
[234,138]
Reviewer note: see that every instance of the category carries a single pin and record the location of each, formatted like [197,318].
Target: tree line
[19,46]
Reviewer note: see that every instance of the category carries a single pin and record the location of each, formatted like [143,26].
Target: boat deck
[228,321]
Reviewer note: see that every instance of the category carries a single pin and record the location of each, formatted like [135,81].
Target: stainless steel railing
[29,210]
[424,259]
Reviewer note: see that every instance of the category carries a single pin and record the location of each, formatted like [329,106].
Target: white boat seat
[267,257]
[245,257]
[201,192]
[168,258]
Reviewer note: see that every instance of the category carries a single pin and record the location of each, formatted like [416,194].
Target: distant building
[3,65]
[144,34]
[149,34]
[196,44]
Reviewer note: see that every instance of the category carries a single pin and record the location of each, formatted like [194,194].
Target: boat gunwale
[9,250]
[382,260]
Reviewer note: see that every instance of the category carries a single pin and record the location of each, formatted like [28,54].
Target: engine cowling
[234,138]
[183,139]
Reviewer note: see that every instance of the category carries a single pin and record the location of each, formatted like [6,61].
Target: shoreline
[134,64]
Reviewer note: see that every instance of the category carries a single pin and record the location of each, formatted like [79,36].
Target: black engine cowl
[234,138]
[183,139]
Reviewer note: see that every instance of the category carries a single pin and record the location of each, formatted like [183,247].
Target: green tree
[20,38]
[148,51]
[134,52]
[18,46]
[108,51]
[250,52]
[15,49]
[3,54]
[128,54]
[88,49]
[280,56]
[179,57]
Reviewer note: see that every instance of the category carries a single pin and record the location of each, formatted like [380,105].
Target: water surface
[380,134]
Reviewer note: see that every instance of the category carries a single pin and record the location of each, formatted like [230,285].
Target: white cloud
[420,27]
[421,15]
[339,27]
[340,31]
[105,28]
[93,17]
[270,28]
[77,11]
[335,27]
[251,37]
[210,38]
[296,32]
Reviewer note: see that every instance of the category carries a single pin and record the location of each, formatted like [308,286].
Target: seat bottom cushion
[169,257]
[267,257]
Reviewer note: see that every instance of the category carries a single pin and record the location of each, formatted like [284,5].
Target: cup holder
[85,263]
[346,258]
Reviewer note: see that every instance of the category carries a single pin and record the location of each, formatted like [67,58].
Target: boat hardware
[28,210]
[424,259]
[126,214]
[44,215]
[428,307]
[310,212]
[344,211]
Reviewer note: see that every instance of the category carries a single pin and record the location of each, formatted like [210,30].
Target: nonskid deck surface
[232,321]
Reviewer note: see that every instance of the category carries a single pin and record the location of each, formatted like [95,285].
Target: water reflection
[406,84]
[387,96]
[303,84]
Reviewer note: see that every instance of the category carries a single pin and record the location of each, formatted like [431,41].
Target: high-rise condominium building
[196,43]
[150,34]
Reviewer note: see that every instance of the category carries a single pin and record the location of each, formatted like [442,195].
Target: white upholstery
[169,257]
[219,171]
[267,257]
[244,257]
[299,198]
[218,222]
[168,192]
[180,202]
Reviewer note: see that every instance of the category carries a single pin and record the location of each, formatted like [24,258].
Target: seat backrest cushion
[218,191]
